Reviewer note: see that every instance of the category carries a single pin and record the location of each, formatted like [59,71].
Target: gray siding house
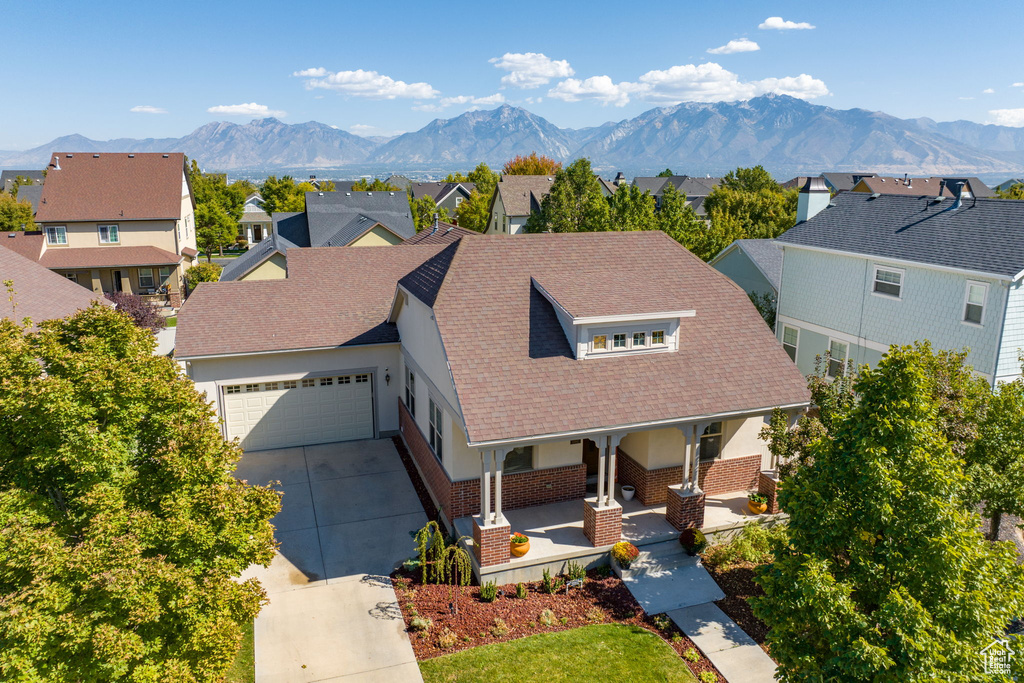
[754,265]
[868,271]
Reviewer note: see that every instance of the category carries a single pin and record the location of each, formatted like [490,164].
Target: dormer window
[639,340]
[658,338]
[600,342]
[619,341]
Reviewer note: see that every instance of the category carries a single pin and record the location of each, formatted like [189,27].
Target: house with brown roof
[117,222]
[556,389]
[515,198]
[969,188]
[39,294]
[440,233]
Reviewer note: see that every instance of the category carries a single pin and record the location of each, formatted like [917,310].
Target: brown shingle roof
[916,187]
[516,376]
[28,244]
[107,257]
[587,290]
[112,186]
[38,293]
[333,296]
[521,194]
[446,233]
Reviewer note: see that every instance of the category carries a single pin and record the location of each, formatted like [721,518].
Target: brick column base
[684,509]
[602,526]
[768,485]
[491,543]
[174,299]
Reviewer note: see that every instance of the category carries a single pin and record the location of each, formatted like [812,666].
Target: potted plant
[627,491]
[519,544]
[693,541]
[757,503]
[624,553]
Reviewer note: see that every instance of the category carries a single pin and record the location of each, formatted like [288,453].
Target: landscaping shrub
[574,571]
[624,553]
[500,628]
[488,592]
[595,615]
[547,617]
[549,585]
[447,639]
[693,540]
[661,622]
[691,655]
[136,308]
[420,624]
[754,545]
[202,272]
[707,677]
[521,591]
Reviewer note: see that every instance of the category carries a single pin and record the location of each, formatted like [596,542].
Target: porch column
[485,486]
[687,443]
[602,459]
[126,282]
[613,444]
[698,430]
[684,507]
[499,469]
[491,531]
[602,516]
[97,285]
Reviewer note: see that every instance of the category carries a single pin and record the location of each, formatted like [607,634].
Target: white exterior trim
[833,334]
[633,317]
[903,262]
[984,304]
[340,347]
[874,281]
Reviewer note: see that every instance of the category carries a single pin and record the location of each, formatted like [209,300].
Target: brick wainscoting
[651,485]
[462,498]
[730,474]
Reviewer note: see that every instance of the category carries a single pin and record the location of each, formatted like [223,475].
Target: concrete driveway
[344,524]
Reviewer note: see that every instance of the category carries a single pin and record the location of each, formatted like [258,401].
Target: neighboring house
[1007,184]
[399,181]
[119,222]
[38,293]
[843,182]
[867,271]
[515,198]
[754,265]
[7,179]
[440,233]
[447,196]
[331,219]
[695,189]
[918,187]
[560,377]
[255,224]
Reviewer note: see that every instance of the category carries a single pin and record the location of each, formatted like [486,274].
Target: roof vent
[369,194]
[876,195]
[347,194]
[95,156]
[320,194]
[391,193]
[11,235]
[70,156]
[131,156]
[166,156]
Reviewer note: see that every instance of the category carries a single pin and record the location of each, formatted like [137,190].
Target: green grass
[243,669]
[606,652]
[172,321]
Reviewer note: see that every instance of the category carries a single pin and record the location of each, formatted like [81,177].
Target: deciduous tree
[376,185]
[574,203]
[215,229]
[632,209]
[138,309]
[533,164]
[1013,192]
[15,215]
[667,173]
[202,272]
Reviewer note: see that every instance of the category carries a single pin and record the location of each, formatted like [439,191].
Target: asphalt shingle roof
[445,233]
[331,215]
[522,194]
[985,235]
[767,256]
[39,293]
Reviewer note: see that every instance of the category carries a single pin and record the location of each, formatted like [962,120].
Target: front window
[436,428]
[711,442]
[410,392]
[974,307]
[71,276]
[600,342]
[519,460]
[790,339]
[109,234]
[619,341]
[888,282]
[56,234]
[146,278]
[639,339]
[165,275]
[837,357]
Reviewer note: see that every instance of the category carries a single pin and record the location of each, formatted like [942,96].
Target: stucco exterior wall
[274,268]
[834,292]
[738,267]
[657,448]
[377,237]
[130,234]
[557,454]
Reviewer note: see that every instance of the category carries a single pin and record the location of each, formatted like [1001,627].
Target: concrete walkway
[165,341]
[344,524]
[664,579]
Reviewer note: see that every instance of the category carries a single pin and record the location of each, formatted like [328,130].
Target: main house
[117,222]
[863,271]
[331,219]
[607,358]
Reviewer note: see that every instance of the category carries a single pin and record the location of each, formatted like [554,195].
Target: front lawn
[172,321]
[605,652]
[243,669]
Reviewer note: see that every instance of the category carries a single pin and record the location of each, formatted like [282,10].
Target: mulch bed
[737,582]
[602,599]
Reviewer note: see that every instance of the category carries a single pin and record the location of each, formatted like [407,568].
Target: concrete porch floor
[556,531]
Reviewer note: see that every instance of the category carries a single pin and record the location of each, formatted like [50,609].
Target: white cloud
[1007,117]
[600,88]
[365,129]
[709,82]
[988,91]
[530,69]
[146,109]
[965,98]
[741,45]
[247,109]
[473,101]
[1018,85]
[368,84]
[779,24]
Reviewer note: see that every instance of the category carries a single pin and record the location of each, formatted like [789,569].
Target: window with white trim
[289,384]
[711,442]
[599,342]
[888,282]
[790,340]
[165,275]
[410,392]
[326,381]
[252,387]
[619,341]
[639,340]
[837,357]
[233,389]
[56,234]
[307,383]
[108,234]
[974,302]
[519,460]
[436,428]
[658,338]
[146,278]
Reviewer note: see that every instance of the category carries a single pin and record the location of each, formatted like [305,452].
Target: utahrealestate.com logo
[998,656]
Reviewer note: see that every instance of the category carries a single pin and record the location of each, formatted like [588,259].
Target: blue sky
[108,70]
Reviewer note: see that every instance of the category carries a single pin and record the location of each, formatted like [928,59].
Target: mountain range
[782,133]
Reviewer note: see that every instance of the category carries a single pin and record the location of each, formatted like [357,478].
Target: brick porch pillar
[768,485]
[684,507]
[491,542]
[602,524]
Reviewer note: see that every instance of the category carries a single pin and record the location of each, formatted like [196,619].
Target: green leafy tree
[15,215]
[456,178]
[753,179]
[533,164]
[20,181]
[632,209]
[202,272]
[883,579]
[764,302]
[376,185]
[122,531]
[475,212]
[574,203]
[423,210]
[215,229]
[284,194]
[1015,191]
[667,173]
[680,222]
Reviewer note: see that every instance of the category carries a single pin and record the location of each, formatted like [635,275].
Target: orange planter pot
[757,508]
[519,549]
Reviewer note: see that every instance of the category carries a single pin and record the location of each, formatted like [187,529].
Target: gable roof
[844,182]
[652,184]
[914,187]
[7,178]
[289,231]
[439,191]
[443,233]
[334,218]
[983,235]
[113,186]
[333,296]
[764,254]
[515,374]
[522,194]
[29,244]
[39,293]
[691,186]
[31,194]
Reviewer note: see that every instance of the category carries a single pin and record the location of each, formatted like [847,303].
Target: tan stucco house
[117,222]
[603,359]
[515,198]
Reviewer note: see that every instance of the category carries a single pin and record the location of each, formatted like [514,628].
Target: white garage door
[299,412]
